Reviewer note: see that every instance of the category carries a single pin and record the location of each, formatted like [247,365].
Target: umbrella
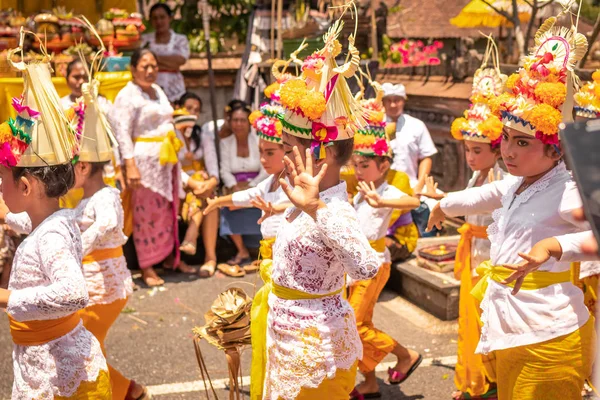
[477,13]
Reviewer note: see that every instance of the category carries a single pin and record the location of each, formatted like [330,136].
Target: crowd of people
[331,187]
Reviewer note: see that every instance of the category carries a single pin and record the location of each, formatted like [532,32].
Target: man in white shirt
[412,146]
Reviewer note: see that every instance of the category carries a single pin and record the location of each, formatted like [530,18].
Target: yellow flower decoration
[459,125]
[6,134]
[512,80]
[376,117]
[596,76]
[491,127]
[545,119]
[313,105]
[279,128]
[271,89]
[596,103]
[597,89]
[254,116]
[292,93]
[553,94]
[496,104]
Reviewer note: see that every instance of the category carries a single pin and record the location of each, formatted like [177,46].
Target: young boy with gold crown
[533,316]
[481,131]
[55,356]
[313,346]
[374,204]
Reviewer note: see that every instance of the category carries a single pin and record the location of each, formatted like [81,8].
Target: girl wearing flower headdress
[374,204]
[533,316]
[313,346]
[55,356]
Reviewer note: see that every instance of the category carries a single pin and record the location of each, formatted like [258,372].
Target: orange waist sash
[35,333]
[103,254]
[463,251]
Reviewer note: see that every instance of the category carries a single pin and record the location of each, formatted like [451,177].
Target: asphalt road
[152,342]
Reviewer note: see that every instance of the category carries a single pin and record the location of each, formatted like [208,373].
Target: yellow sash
[259,316]
[169,148]
[266,248]
[378,245]
[463,251]
[35,333]
[534,280]
[103,254]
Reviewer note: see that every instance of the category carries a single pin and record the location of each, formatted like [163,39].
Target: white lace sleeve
[339,229]
[106,222]
[19,223]
[181,46]
[478,200]
[571,247]
[122,117]
[226,174]
[210,154]
[67,291]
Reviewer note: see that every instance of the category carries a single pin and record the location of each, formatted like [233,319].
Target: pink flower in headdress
[539,65]
[547,139]
[324,133]
[7,158]
[17,104]
[381,147]
[313,62]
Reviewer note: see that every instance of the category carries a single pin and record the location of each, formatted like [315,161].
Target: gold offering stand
[228,329]
[438,258]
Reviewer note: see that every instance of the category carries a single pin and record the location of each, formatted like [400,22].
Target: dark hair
[72,65]
[189,96]
[378,159]
[235,105]
[138,54]
[97,167]
[343,149]
[158,6]
[57,179]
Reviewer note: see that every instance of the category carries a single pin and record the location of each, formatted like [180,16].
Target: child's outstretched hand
[369,192]
[269,209]
[431,189]
[436,217]
[305,192]
[538,255]
[211,205]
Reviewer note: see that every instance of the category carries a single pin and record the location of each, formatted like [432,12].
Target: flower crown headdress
[587,100]
[372,140]
[540,95]
[89,123]
[319,105]
[39,135]
[479,124]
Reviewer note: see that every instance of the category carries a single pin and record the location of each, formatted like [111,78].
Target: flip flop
[208,269]
[234,271]
[253,267]
[240,261]
[397,377]
[356,395]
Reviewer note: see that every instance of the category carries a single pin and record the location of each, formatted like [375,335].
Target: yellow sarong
[259,318]
[473,372]
[407,234]
[589,286]
[100,389]
[551,370]
[336,388]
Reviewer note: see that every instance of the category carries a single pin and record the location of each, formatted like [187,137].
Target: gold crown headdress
[39,136]
[91,127]
[587,100]
[478,123]
[540,95]
[319,104]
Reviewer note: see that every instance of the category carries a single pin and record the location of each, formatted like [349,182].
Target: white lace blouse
[374,222]
[172,82]
[232,164]
[46,283]
[100,219]
[270,226]
[136,115]
[308,340]
[543,210]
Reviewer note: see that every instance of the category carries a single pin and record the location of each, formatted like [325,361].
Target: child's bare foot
[151,278]
[188,248]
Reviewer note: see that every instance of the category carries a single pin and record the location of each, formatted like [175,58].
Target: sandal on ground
[237,260]
[187,269]
[208,269]
[144,396]
[153,281]
[234,271]
[252,267]
[356,395]
[491,394]
[188,248]
[397,377]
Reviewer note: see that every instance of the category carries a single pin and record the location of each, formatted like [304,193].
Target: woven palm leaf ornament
[479,124]
[39,135]
[319,104]
[540,95]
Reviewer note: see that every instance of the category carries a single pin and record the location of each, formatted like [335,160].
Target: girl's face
[146,71]
[160,20]
[480,156]
[367,170]
[271,156]
[239,122]
[193,106]
[76,78]
[289,141]
[525,155]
